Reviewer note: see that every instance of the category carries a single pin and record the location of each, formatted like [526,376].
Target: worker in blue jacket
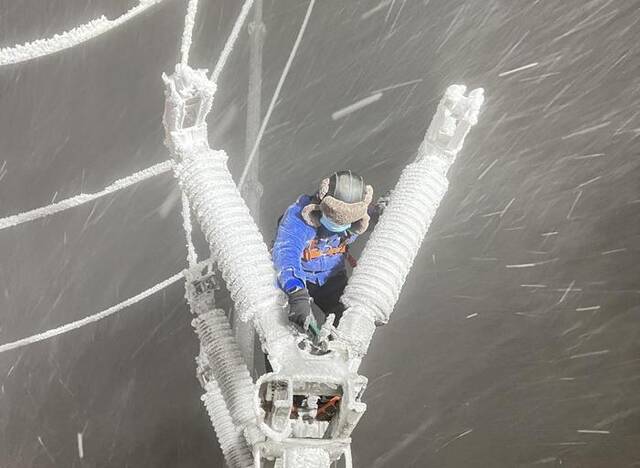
[312,246]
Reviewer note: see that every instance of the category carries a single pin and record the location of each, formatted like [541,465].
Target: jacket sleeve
[291,239]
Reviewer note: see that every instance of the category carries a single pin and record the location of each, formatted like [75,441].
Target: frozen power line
[274,99]
[93,318]
[73,37]
[42,212]
[231,40]
[189,23]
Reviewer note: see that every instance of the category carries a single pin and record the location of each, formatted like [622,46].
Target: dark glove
[300,309]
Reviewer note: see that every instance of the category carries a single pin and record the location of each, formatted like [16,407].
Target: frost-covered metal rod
[375,285]
[226,223]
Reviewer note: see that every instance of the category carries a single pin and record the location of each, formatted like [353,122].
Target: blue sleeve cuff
[293,285]
[288,281]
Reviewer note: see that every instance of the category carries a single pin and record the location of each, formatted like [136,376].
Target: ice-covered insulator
[375,285]
[232,442]
[235,241]
[230,371]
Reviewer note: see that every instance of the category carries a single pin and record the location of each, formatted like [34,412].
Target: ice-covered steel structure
[303,413]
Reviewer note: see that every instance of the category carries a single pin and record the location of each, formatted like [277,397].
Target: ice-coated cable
[231,373]
[231,40]
[73,37]
[93,318]
[276,94]
[72,202]
[232,442]
[187,34]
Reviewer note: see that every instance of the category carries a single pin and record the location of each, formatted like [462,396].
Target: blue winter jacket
[294,234]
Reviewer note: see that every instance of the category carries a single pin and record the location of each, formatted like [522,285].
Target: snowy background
[516,341]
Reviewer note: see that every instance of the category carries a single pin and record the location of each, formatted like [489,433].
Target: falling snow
[557,145]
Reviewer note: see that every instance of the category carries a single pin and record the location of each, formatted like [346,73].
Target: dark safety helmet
[345,186]
[344,197]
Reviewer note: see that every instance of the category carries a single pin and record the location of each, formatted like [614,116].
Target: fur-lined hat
[344,198]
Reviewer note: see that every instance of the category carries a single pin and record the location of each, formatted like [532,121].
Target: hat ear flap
[311,214]
[368,195]
[361,225]
[324,188]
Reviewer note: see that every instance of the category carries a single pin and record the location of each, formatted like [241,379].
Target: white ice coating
[236,243]
[230,371]
[234,238]
[375,285]
[231,40]
[73,37]
[187,34]
[232,443]
[92,318]
[192,256]
[307,457]
[72,202]
[276,94]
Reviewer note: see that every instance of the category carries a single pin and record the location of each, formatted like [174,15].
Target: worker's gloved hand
[300,309]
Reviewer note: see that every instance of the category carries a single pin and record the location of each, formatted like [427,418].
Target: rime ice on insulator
[375,285]
[230,372]
[217,345]
[232,442]
[234,238]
